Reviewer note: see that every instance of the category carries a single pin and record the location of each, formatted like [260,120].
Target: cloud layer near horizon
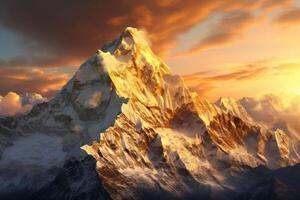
[275,111]
[12,103]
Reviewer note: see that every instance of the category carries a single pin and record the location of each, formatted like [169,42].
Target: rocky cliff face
[149,137]
[165,138]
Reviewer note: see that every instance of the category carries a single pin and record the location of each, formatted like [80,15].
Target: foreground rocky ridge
[148,135]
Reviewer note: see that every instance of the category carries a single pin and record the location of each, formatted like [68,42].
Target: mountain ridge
[144,132]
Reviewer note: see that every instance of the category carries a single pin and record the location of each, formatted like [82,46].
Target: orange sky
[263,57]
[221,48]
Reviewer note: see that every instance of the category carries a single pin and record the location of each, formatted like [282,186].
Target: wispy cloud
[275,3]
[276,111]
[208,81]
[290,16]
[227,30]
[31,80]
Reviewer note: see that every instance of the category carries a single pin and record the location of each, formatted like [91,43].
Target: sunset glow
[152,99]
[221,48]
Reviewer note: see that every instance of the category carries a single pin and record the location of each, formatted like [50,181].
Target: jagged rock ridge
[166,138]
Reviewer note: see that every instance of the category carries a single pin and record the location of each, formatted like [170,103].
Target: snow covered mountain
[267,111]
[125,127]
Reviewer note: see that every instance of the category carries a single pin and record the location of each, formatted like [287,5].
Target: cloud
[290,16]
[65,33]
[228,29]
[32,99]
[275,111]
[12,103]
[205,82]
[201,88]
[268,4]
[70,31]
[243,72]
[31,80]
[75,29]
[38,61]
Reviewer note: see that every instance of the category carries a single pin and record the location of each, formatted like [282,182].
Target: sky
[221,48]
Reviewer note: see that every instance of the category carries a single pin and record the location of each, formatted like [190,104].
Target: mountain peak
[233,106]
[130,39]
[139,75]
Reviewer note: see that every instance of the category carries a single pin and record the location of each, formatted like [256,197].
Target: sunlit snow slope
[125,127]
